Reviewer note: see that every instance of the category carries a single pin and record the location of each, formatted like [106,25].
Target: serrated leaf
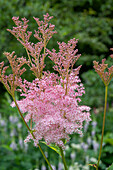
[110,167]
[53,147]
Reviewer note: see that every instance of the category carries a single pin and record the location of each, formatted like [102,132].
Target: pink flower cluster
[51,103]
[55,115]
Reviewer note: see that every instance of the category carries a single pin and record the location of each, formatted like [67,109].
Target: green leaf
[53,147]
[110,167]
[109,141]
[6,147]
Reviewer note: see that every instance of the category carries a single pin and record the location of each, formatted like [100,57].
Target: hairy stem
[63,158]
[105,106]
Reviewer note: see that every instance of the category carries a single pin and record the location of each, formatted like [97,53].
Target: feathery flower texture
[52,101]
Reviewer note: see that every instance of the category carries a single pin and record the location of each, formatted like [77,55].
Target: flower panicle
[103,71]
[20,31]
[12,81]
[66,57]
[45,30]
[44,34]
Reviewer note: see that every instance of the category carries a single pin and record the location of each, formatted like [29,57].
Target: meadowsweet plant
[106,75]
[50,107]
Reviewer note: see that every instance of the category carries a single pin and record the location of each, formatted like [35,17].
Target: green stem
[63,158]
[32,134]
[21,114]
[43,57]
[45,157]
[105,106]
[28,55]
